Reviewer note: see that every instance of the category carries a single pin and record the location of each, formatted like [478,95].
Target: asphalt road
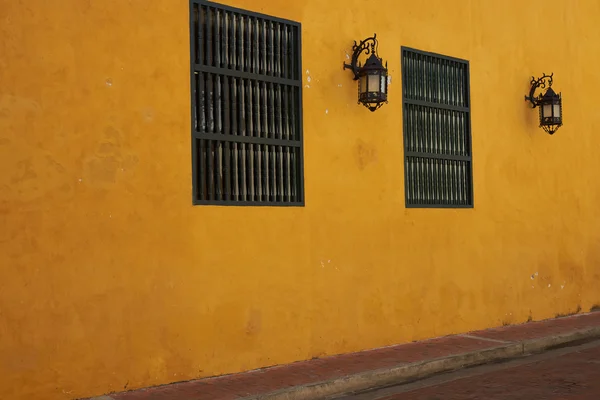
[567,373]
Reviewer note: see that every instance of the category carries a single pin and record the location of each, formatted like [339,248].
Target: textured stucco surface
[111,279]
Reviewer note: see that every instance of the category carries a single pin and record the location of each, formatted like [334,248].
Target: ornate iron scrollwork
[367,46]
[545,80]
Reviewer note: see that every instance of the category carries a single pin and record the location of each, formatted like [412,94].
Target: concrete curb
[422,369]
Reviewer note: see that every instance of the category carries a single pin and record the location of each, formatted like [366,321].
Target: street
[566,373]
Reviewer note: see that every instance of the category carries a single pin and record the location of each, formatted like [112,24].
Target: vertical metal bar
[240,42]
[258,129]
[249,127]
[263,47]
[411,138]
[451,132]
[291,54]
[413,76]
[235,130]
[266,173]
[273,172]
[201,34]
[424,181]
[247,56]
[276,42]
[448,133]
[450,82]
[284,51]
[232,41]
[258,171]
[269,45]
[457,89]
[226,105]
[437,187]
[408,76]
[264,109]
[425,177]
[280,197]
[419,73]
[218,106]
[270,127]
[421,133]
[466,180]
[249,105]
[258,148]
[226,45]
[404,73]
[454,197]
[203,170]
[217,37]
[286,136]
[242,127]
[435,143]
[209,169]
[242,107]
[444,82]
[455,69]
[446,181]
[209,39]
[225,39]
[417,125]
[196,34]
[219,145]
[199,101]
[438,192]
[271,109]
[279,110]
[255,47]
[227,131]
[210,120]
[220,172]
[426,77]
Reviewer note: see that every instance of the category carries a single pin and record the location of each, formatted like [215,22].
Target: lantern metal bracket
[368,46]
[545,80]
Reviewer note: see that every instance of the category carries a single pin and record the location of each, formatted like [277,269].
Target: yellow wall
[110,278]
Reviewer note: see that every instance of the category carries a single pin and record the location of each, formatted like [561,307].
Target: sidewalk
[323,378]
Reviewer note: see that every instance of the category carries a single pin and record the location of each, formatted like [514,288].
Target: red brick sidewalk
[303,373]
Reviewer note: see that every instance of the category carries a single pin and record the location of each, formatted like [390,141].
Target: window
[246,108]
[437,130]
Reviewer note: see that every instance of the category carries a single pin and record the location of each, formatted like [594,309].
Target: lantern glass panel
[547,111]
[362,85]
[383,83]
[373,83]
[557,110]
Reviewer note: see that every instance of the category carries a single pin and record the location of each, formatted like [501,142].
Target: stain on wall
[110,278]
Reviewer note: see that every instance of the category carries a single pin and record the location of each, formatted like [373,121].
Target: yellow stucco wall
[110,278]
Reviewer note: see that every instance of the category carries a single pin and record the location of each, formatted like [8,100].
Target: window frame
[442,106]
[199,68]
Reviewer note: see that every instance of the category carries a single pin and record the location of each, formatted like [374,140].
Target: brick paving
[301,373]
[572,376]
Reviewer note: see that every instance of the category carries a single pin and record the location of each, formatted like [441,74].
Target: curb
[423,369]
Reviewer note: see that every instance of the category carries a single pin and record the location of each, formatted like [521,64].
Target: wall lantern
[371,77]
[550,104]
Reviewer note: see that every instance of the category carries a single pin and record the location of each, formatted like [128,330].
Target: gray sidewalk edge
[422,369]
